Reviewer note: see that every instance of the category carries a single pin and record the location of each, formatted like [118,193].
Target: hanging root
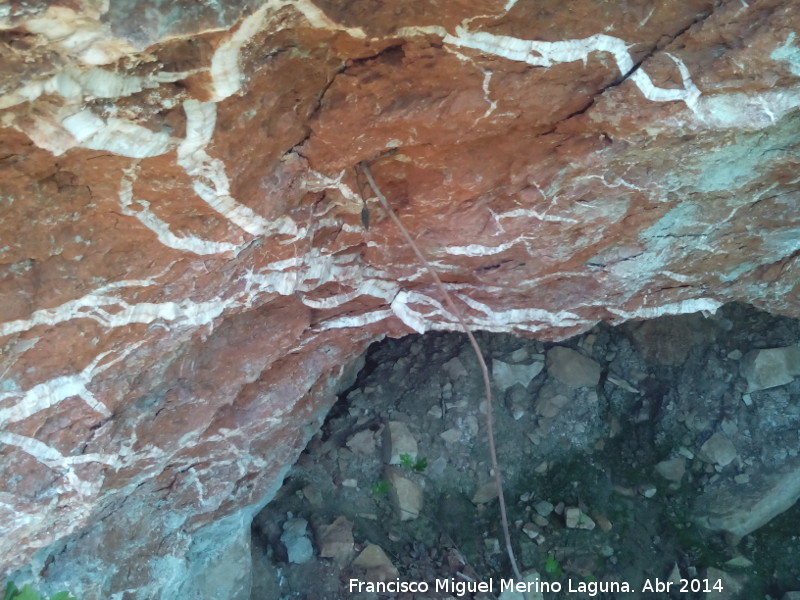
[498,478]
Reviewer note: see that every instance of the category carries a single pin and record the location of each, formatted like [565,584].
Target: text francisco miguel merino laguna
[461,588]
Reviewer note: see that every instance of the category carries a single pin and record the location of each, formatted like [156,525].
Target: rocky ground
[647,453]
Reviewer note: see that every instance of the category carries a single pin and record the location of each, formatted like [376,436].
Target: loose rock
[672,469]
[544,508]
[718,449]
[295,538]
[731,586]
[362,442]
[572,368]
[576,519]
[397,441]
[550,407]
[335,541]
[377,565]
[505,375]
[485,493]
[771,367]
[406,495]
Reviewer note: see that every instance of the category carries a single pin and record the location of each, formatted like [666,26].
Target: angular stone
[718,449]
[771,367]
[491,546]
[335,541]
[451,436]
[506,375]
[485,493]
[739,562]
[295,538]
[572,368]
[648,490]
[455,369]
[675,575]
[531,530]
[672,469]
[731,585]
[549,407]
[406,495]
[362,442]
[668,340]
[574,518]
[603,522]
[398,441]
[377,565]
[741,508]
[519,355]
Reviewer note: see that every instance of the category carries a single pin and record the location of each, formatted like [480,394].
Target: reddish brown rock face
[186,276]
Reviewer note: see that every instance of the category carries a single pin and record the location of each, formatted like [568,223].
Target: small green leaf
[11,591]
[552,568]
[28,593]
[421,465]
[381,488]
[62,596]
[406,461]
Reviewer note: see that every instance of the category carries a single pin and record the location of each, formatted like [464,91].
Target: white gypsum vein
[356,320]
[210,181]
[224,70]
[674,308]
[546,54]
[480,250]
[522,315]
[51,392]
[146,217]
[79,308]
[52,458]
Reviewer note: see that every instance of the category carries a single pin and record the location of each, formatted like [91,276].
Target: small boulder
[295,538]
[455,369]
[675,575]
[550,407]
[672,469]
[505,375]
[485,493]
[572,368]
[576,519]
[718,449]
[405,494]
[731,585]
[335,541]
[375,563]
[544,508]
[397,441]
[770,367]
[362,442]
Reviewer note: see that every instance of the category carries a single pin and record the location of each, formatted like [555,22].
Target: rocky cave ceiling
[186,277]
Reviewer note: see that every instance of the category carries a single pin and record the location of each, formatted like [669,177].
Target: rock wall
[186,278]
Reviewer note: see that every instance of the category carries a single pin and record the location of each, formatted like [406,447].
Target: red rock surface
[185,274]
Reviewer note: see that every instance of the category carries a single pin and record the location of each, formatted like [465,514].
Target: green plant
[552,566]
[409,463]
[12,592]
[381,488]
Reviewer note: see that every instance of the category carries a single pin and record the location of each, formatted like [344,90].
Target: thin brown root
[498,478]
